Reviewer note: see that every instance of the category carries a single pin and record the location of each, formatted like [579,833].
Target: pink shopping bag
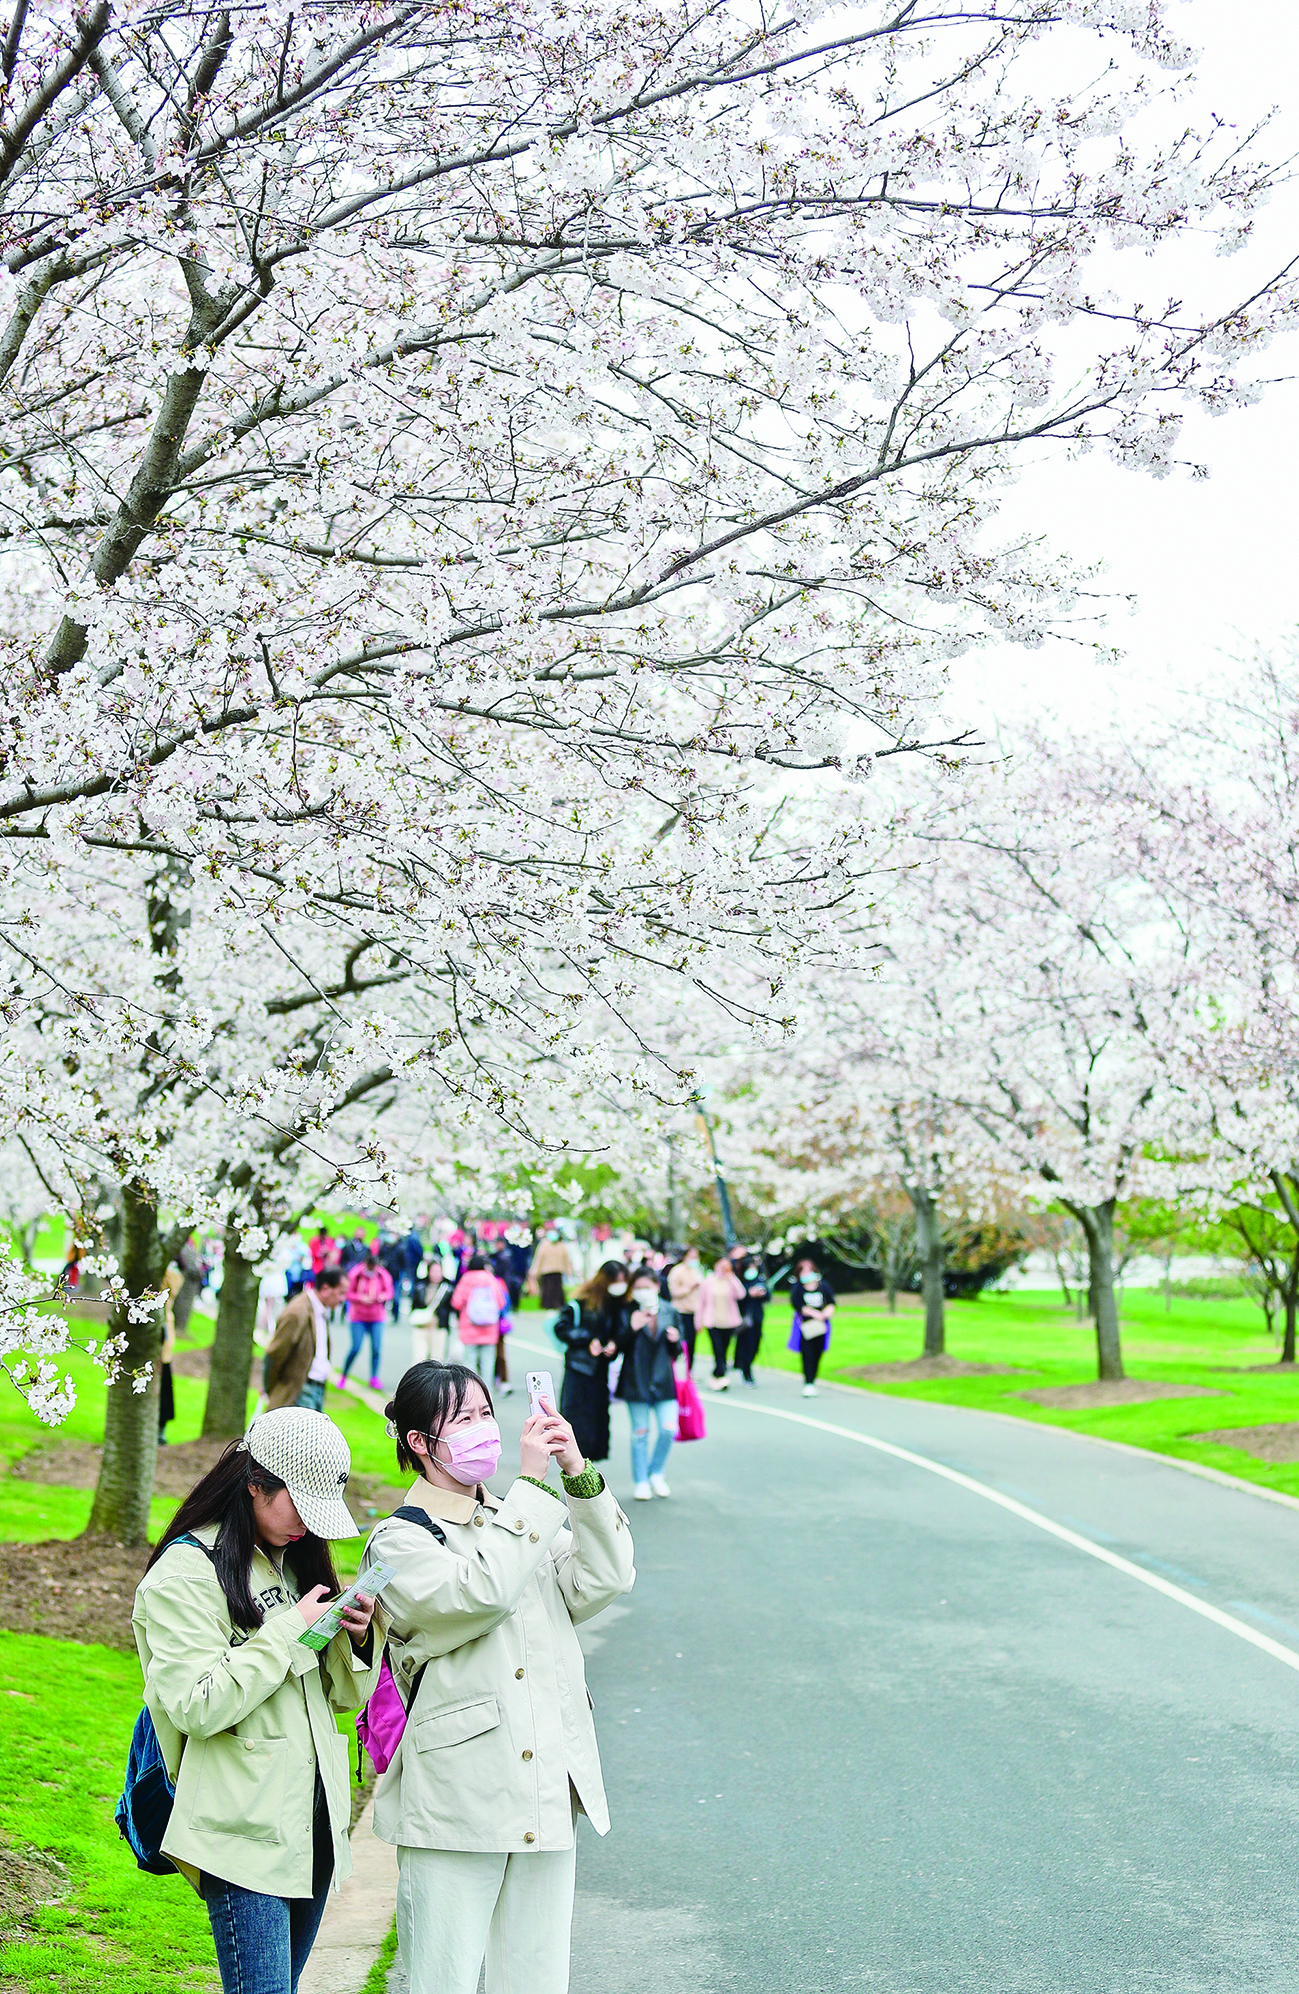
[690,1410]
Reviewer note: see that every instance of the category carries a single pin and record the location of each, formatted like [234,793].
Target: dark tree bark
[1097,1222]
[225,1415]
[929,1240]
[125,1487]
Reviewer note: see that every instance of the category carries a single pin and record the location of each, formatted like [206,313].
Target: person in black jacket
[813,1302]
[650,1345]
[589,1328]
[752,1309]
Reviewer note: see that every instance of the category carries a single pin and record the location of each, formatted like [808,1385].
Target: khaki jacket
[290,1353]
[684,1281]
[551,1257]
[244,1722]
[502,1722]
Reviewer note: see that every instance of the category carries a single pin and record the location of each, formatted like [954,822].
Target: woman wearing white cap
[245,1713]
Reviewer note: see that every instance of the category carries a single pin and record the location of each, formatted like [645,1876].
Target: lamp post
[723,1195]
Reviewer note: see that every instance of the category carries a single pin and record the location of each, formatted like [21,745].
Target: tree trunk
[1097,1221]
[125,1486]
[929,1238]
[225,1415]
[1291,1297]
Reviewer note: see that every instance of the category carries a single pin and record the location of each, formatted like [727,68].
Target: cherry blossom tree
[454,471]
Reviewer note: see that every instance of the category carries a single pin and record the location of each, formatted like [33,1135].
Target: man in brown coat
[296,1364]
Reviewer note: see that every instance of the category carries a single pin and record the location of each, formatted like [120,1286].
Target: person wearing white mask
[498,1757]
[651,1343]
[589,1327]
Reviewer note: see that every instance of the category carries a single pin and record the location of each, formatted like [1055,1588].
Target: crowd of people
[467,1639]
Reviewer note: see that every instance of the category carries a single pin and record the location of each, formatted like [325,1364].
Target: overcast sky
[1214,563]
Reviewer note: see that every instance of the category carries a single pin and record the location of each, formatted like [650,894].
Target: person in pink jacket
[717,1310]
[369,1291]
[478,1301]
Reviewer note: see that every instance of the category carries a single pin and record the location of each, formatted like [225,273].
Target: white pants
[455,1905]
[427,1343]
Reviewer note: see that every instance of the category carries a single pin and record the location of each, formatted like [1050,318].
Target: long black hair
[224,1497]
[426,1398]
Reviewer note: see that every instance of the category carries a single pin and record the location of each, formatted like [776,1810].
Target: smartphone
[540,1386]
[371,1582]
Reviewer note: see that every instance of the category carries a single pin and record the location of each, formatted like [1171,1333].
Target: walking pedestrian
[392,1257]
[683,1293]
[718,1311]
[589,1327]
[753,1308]
[478,1301]
[171,1282]
[295,1369]
[354,1250]
[650,1343]
[369,1291]
[813,1303]
[499,1753]
[551,1266]
[245,1714]
[193,1279]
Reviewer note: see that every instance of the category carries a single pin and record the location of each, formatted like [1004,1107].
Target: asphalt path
[868,1725]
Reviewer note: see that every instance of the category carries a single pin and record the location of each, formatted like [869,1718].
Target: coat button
[518,1675]
[527,1755]
[533,1537]
[529,1837]
[479,1521]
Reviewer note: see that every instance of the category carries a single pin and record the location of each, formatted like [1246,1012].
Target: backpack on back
[483,1307]
[381,1725]
[144,1810]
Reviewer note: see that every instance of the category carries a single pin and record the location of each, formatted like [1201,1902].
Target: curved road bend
[864,1728]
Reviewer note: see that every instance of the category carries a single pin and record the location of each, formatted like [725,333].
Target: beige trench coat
[502,1721]
[244,1721]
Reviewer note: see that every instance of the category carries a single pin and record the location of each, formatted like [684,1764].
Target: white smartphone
[540,1386]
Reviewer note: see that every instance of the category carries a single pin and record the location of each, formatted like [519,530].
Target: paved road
[864,1729]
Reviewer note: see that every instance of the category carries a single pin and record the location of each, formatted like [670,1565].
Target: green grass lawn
[1211,1343]
[70,1712]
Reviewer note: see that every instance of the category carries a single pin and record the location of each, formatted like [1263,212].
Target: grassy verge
[1214,1344]
[71,1708]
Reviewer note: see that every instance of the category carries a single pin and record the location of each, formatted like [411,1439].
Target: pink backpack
[381,1725]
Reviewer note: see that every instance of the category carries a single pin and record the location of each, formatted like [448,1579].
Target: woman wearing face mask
[813,1303]
[589,1327]
[651,1344]
[498,1756]
[684,1281]
[245,1714]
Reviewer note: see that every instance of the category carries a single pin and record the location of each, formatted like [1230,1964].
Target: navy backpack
[144,1809]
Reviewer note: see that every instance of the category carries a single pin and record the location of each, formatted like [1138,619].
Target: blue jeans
[358,1332]
[312,1395]
[262,1943]
[643,1463]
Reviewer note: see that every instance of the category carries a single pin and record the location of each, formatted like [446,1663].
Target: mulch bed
[74,1588]
[75,1464]
[932,1367]
[1117,1391]
[29,1879]
[1279,1442]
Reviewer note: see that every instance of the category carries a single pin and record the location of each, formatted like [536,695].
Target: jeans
[643,1464]
[813,1351]
[312,1395]
[358,1331]
[262,1943]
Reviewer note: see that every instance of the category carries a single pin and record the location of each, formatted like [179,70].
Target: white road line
[1277,1649]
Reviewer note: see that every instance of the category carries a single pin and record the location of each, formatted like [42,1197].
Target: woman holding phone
[589,1327]
[651,1344]
[244,1711]
[498,1757]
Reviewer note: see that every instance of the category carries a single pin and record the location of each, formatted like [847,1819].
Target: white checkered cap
[313,1460]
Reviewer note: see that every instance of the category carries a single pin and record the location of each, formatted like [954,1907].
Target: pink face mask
[473,1453]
